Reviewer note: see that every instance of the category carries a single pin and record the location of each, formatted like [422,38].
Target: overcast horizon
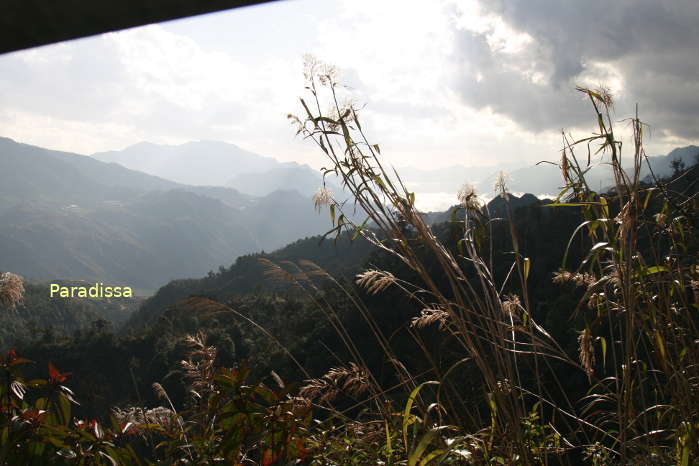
[449,83]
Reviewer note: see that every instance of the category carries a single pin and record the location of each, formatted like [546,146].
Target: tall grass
[502,394]
[637,347]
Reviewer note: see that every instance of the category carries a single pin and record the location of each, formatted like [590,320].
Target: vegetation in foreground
[482,368]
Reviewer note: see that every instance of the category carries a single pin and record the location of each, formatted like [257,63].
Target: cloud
[644,49]
[452,82]
[400,59]
[143,84]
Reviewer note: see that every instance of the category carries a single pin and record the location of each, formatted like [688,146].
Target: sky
[471,82]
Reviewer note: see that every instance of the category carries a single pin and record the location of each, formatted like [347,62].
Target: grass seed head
[430,316]
[11,290]
[375,281]
[322,197]
[468,197]
[501,183]
[587,351]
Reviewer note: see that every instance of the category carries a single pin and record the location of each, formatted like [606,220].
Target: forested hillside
[150,343]
[42,318]
[523,331]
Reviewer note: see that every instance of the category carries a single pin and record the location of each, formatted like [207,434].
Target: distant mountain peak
[142,145]
[197,163]
[69,215]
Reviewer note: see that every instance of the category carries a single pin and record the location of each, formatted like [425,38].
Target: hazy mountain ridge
[33,173]
[545,178]
[197,163]
[290,176]
[69,216]
[539,179]
[224,164]
[216,163]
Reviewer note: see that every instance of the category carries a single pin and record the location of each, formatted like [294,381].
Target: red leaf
[56,376]
[301,449]
[128,428]
[268,458]
[32,414]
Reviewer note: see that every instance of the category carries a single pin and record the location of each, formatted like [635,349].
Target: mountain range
[69,216]
[153,213]
[542,179]
[216,163]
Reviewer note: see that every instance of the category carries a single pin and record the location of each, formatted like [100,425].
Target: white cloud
[446,82]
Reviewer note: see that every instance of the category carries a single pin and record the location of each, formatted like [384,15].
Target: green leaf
[379,181]
[603,341]
[560,195]
[421,447]
[645,271]
[660,343]
[685,452]
[407,418]
[358,230]
[430,456]
[389,446]
[605,207]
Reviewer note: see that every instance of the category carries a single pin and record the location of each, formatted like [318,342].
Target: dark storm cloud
[652,44]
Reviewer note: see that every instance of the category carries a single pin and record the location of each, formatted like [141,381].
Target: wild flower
[429,317]
[11,290]
[595,300]
[510,304]
[501,182]
[605,96]
[352,380]
[468,197]
[579,279]
[375,281]
[587,351]
[275,272]
[345,111]
[322,197]
[199,365]
[504,386]
[160,415]
[159,391]
[313,68]
[625,220]
[661,219]
[565,167]
[314,269]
